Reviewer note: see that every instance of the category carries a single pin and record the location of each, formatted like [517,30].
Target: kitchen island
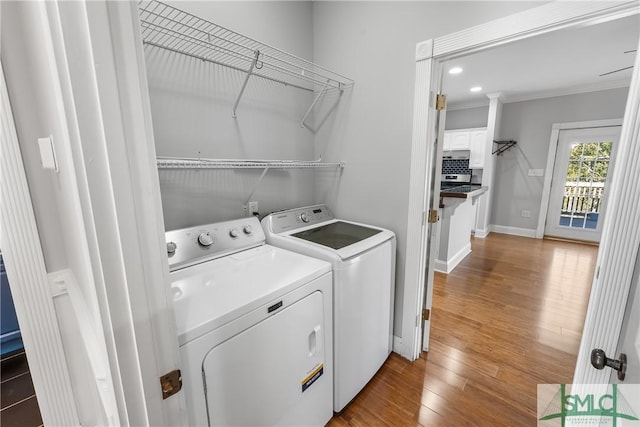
[457,220]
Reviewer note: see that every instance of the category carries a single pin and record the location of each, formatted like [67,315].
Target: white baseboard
[397,345]
[440,266]
[447,266]
[481,234]
[515,231]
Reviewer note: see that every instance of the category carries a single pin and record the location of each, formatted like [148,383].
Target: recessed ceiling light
[476,89]
[455,70]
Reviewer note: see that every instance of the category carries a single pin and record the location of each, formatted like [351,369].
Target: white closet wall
[192,104]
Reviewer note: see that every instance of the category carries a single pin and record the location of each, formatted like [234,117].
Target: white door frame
[108,153]
[417,226]
[529,23]
[25,266]
[551,161]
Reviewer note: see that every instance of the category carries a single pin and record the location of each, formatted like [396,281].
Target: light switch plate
[536,172]
[47,153]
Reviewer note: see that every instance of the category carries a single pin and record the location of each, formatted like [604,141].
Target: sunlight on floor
[565,298]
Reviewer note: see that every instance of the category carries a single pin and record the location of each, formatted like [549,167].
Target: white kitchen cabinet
[477,147]
[446,146]
[457,140]
[474,140]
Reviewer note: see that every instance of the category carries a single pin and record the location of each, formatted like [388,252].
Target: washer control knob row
[205,239]
[171,247]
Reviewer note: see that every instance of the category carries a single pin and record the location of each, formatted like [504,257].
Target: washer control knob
[205,239]
[234,233]
[304,217]
[247,230]
[171,247]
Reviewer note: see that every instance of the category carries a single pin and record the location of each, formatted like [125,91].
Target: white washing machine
[254,328]
[363,262]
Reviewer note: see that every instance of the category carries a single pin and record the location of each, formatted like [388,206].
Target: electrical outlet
[525,213]
[253,207]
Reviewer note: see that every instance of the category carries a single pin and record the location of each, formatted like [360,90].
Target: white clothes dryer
[363,262]
[254,328]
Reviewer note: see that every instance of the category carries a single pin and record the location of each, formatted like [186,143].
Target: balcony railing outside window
[581,204]
[584,187]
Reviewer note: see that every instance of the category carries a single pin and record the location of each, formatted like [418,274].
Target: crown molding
[575,90]
[532,96]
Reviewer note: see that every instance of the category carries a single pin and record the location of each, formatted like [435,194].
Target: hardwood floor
[19,407]
[507,318]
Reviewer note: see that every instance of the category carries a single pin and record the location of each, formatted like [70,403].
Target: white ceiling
[557,63]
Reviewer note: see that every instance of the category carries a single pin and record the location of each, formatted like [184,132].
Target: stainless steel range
[448,181]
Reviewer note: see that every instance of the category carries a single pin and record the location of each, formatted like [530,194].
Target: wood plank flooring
[509,317]
[19,407]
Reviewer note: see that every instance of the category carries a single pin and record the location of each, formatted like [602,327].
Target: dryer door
[272,373]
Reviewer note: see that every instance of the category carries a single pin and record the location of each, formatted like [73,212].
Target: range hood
[456,155]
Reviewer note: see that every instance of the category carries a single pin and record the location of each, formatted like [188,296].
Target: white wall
[191,105]
[529,123]
[467,118]
[374,43]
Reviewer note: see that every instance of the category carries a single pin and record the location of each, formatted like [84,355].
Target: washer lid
[337,235]
[213,293]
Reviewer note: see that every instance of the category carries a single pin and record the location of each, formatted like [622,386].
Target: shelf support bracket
[246,80]
[315,100]
[503,146]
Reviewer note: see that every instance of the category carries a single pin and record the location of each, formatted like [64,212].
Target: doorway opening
[451,47]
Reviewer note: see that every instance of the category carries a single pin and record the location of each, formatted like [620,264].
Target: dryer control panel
[193,245]
[298,218]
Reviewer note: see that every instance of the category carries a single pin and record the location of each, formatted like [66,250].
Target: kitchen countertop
[463,191]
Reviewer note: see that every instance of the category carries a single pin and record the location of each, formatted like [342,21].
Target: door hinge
[426,313]
[441,101]
[171,383]
[433,216]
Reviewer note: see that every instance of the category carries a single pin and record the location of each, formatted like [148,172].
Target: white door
[630,335]
[584,159]
[615,279]
[433,240]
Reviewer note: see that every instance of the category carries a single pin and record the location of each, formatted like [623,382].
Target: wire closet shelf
[172,29]
[182,163]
